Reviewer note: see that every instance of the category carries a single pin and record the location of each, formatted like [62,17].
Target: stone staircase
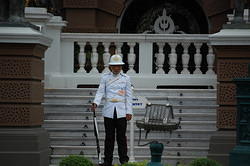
[70,124]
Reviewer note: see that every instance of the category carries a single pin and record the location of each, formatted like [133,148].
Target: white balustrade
[160,58]
[172,58]
[82,58]
[145,42]
[140,54]
[210,60]
[131,58]
[197,58]
[94,58]
[132,140]
[185,58]
[119,48]
[106,56]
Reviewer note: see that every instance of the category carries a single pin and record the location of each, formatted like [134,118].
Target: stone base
[24,146]
[221,144]
[240,156]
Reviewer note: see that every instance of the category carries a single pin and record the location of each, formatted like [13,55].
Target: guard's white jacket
[117,93]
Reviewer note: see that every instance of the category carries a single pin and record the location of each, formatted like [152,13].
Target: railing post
[210,60]
[197,58]
[132,141]
[82,58]
[160,58]
[106,56]
[145,58]
[185,58]
[131,58]
[94,58]
[172,58]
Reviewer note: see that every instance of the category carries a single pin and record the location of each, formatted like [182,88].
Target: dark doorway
[188,16]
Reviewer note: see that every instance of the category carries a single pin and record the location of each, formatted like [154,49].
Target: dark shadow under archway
[188,16]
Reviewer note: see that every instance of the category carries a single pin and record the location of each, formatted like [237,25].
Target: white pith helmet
[116,59]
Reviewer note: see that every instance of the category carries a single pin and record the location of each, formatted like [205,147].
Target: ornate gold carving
[226,94]
[226,117]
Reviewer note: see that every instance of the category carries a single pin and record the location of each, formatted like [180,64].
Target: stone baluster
[185,59]
[119,48]
[172,59]
[160,58]
[210,60]
[131,58]
[94,58]
[197,58]
[106,57]
[82,58]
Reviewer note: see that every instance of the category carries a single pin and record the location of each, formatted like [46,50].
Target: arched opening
[185,16]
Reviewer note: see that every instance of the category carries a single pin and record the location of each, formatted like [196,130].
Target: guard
[115,87]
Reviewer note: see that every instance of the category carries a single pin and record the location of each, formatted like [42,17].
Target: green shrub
[204,162]
[75,160]
[140,163]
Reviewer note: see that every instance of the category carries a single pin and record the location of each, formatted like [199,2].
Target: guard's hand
[93,106]
[128,117]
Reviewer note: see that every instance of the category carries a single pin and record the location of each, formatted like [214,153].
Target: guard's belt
[114,100]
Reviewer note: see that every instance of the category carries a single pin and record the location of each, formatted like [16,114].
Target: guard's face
[116,69]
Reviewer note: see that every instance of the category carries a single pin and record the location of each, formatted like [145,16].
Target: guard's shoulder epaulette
[123,74]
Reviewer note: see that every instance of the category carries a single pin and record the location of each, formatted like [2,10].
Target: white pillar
[131,58]
[82,58]
[172,59]
[160,58]
[197,58]
[67,57]
[106,56]
[119,48]
[145,58]
[53,54]
[185,59]
[94,58]
[210,60]
[132,141]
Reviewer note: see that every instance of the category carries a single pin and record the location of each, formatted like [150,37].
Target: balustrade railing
[157,54]
[150,59]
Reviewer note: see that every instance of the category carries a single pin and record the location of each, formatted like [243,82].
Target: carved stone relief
[226,117]
[226,94]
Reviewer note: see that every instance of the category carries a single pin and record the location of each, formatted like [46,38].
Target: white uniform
[118,94]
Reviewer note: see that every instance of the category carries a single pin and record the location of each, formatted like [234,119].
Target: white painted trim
[231,37]
[23,35]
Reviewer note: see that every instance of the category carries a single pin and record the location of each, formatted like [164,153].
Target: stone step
[173,100]
[88,124]
[137,92]
[69,107]
[86,133]
[90,141]
[69,122]
[140,150]
[49,115]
